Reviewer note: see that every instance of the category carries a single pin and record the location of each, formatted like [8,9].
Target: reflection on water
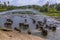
[20,19]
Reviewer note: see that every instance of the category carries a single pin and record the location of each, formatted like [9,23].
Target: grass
[53,14]
[3,9]
[25,12]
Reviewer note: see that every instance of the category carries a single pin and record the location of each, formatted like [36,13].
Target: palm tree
[5,4]
[0,3]
[8,3]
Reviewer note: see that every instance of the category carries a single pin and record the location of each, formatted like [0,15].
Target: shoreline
[14,35]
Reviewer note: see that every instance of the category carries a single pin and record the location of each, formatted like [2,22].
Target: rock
[17,29]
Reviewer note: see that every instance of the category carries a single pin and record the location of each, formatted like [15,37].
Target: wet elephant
[47,26]
[25,20]
[52,27]
[8,25]
[9,20]
[45,21]
[34,21]
[41,28]
[44,32]
[29,32]
[37,26]
[23,26]
[26,26]
[40,23]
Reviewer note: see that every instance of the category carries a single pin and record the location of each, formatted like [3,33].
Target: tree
[5,4]
[8,3]
[0,3]
[58,7]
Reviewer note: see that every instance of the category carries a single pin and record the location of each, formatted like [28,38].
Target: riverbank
[14,35]
[52,14]
[56,16]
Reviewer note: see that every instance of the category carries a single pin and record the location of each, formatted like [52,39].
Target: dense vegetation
[51,10]
[24,12]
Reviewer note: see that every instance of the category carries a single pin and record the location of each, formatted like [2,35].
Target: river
[19,18]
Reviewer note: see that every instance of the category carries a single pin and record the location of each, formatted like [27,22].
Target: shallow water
[20,19]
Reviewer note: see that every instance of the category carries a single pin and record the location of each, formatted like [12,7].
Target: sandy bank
[13,35]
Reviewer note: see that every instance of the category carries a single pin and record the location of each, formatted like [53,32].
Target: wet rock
[17,29]
[7,30]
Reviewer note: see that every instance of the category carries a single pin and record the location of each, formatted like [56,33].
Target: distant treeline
[53,8]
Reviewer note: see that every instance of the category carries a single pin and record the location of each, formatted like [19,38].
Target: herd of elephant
[41,26]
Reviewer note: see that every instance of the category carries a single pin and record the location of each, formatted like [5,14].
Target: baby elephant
[29,32]
[44,32]
[52,27]
[34,21]
[9,20]
[37,26]
[25,20]
[26,26]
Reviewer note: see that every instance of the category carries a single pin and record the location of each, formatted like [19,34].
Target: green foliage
[52,14]
[54,8]
[11,7]
[58,7]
